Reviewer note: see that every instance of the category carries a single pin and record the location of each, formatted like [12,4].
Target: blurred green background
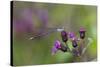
[31,19]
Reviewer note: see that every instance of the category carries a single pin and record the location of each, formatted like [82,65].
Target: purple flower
[56,47]
[24,24]
[64,36]
[73,39]
[57,44]
[82,33]
[43,15]
[71,35]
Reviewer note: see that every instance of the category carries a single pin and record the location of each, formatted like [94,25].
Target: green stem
[68,47]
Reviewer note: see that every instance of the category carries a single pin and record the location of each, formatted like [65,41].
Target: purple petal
[57,44]
[71,35]
[54,50]
[82,29]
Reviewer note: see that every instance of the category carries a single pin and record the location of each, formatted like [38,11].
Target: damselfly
[49,31]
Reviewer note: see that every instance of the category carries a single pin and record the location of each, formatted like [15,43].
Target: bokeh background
[31,19]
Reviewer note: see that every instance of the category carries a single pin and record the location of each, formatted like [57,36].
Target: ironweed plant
[78,44]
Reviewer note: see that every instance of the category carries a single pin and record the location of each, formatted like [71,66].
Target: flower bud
[63,48]
[58,46]
[82,33]
[74,43]
[64,36]
[73,39]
